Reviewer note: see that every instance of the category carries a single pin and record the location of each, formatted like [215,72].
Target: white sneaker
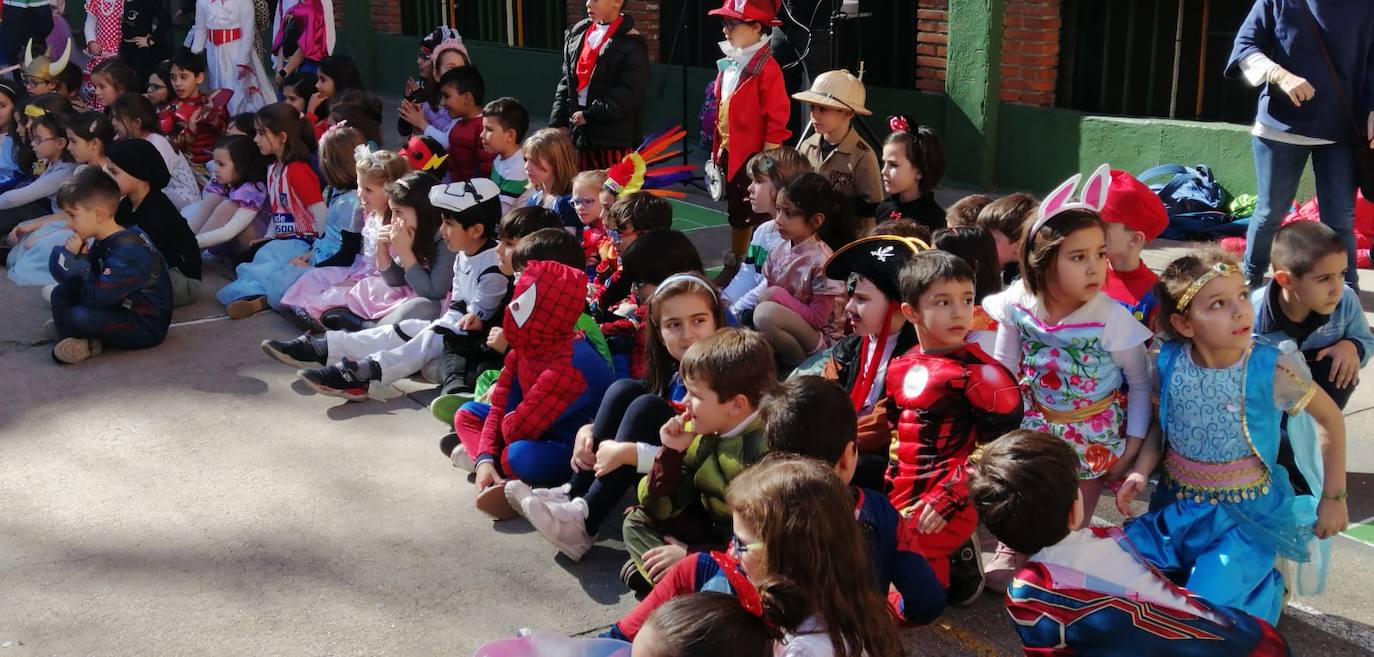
[47,291]
[564,524]
[516,492]
[558,494]
[461,460]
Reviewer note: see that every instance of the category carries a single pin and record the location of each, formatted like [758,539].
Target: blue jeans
[1278,166]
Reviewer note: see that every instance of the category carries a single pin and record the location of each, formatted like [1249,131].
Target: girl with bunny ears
[1075,351]
[913,164]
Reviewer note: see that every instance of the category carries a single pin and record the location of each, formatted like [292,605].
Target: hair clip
[336,127]
[35,112]
[1093,197]
[1217,270]
[898,124]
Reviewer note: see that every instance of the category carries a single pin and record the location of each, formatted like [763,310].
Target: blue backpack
[1195,202]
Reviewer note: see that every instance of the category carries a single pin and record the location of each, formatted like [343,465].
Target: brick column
[1030,49]
[386,16]
[645,12]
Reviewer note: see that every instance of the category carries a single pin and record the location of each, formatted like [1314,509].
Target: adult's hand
[1369,134]
[1298,89]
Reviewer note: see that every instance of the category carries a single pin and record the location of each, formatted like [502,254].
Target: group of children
[1001,363]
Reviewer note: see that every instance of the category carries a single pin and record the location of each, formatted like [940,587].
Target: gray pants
[185,290]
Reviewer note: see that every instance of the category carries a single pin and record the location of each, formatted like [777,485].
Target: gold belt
[1078,414]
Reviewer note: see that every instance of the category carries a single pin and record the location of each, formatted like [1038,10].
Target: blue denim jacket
[1347,322]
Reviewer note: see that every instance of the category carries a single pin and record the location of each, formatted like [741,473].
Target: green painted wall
[973,85]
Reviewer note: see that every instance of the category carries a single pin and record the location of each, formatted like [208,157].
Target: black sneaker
[342,319]
[448,443]
[304,351]
[635,580]
[348,379]
[965,574]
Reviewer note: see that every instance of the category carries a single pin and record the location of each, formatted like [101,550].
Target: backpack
[1195,201]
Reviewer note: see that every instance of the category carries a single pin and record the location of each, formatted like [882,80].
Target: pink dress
[359,287]
[799,271]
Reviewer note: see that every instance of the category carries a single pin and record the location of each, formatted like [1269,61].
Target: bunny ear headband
[1092,197]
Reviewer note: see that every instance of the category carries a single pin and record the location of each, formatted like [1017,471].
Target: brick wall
[1030,48]
[386,16]
[646,13]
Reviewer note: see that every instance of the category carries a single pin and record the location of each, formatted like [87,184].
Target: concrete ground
[196,499]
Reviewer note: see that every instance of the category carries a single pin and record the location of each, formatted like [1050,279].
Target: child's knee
[538,461]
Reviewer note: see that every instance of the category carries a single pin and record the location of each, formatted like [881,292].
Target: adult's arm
[1255,35]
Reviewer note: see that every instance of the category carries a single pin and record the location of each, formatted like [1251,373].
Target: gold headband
[1219,269]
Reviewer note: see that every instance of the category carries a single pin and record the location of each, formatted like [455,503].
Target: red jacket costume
[943,405]
[758,111]
[549,374]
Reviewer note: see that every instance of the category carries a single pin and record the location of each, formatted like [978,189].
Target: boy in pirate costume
[753,108]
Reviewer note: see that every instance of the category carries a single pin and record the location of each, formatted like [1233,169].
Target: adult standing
[23,20]
[1305,109]
[600,97]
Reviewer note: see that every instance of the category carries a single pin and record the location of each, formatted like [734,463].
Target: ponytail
[279,118]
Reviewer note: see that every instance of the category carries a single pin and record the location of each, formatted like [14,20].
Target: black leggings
[629,413]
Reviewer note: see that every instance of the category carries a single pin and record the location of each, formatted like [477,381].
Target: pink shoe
[1002,568]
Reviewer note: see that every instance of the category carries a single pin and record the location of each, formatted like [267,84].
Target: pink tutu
[322,288]
[372,298]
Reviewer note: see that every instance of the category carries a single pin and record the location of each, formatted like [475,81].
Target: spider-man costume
[1063,604]
[943,406]
[551,384]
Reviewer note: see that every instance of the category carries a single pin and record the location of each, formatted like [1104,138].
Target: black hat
[138,158]
[476,201]
[878,258]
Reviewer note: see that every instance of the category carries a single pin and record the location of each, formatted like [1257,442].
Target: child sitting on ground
[463,92]
[505,122]
[713,624]
[913,166]
[1007,219]
[1244,487]
[197,120]
[1309,303]
[871,270]
[551,164]
[139,172]
[1088,591]
[947,397]
[386,354]
[717,436]
[769,172]
[799,310]
[1133,217]
[234,208]
[620,444]
[134,118]
[629,218]
[552,381]
[586,199]
[114,293]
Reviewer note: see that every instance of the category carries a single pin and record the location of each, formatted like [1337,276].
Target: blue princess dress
[1225,510]
[271,272]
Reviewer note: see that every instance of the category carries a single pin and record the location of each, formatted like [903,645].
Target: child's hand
[611,455]
[196,117]
[1345,363]
[497,340]
[412,113]
[928,521]
[487,476]
[75,244]
[1332,518]
[584,450]
[402,237]
[140,41]
[1132,486]
[316,99]
[470,323]
[95,48]
[302,260]
[674,434]
[658,561]
[411,86]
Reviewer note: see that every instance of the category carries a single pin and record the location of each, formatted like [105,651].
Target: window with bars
[1154,58]
[523,23]
[882,36]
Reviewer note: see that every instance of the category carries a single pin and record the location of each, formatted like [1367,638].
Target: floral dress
[1072,376]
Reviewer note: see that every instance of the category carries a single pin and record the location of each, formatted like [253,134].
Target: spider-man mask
[548,298]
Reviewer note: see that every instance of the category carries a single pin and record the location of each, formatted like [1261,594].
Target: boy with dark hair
[1006,219]
[545,244]
[811,417]
[628,219]
[1309,303]
[197,121]
[948,396]
[115,292]
[386,354]
[463,92]
[1087,591]
[682,500]
[504,125]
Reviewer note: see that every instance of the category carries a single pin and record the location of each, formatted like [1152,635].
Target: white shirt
[739,58]
[596,39]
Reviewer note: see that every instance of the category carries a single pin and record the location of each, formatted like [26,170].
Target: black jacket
[615,95]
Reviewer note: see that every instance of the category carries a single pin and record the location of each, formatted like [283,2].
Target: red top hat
[753,11]
[1131,203]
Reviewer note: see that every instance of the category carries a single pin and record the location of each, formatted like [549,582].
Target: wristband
[1338,497]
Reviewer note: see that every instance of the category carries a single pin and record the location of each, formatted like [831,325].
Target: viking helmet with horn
[43,66]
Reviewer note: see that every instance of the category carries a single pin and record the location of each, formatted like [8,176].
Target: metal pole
[1202,57]
[1178,55]
[510,22]
[1129,56]
[1154,58]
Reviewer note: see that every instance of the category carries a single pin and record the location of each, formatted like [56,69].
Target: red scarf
[868,370]
[586,60]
